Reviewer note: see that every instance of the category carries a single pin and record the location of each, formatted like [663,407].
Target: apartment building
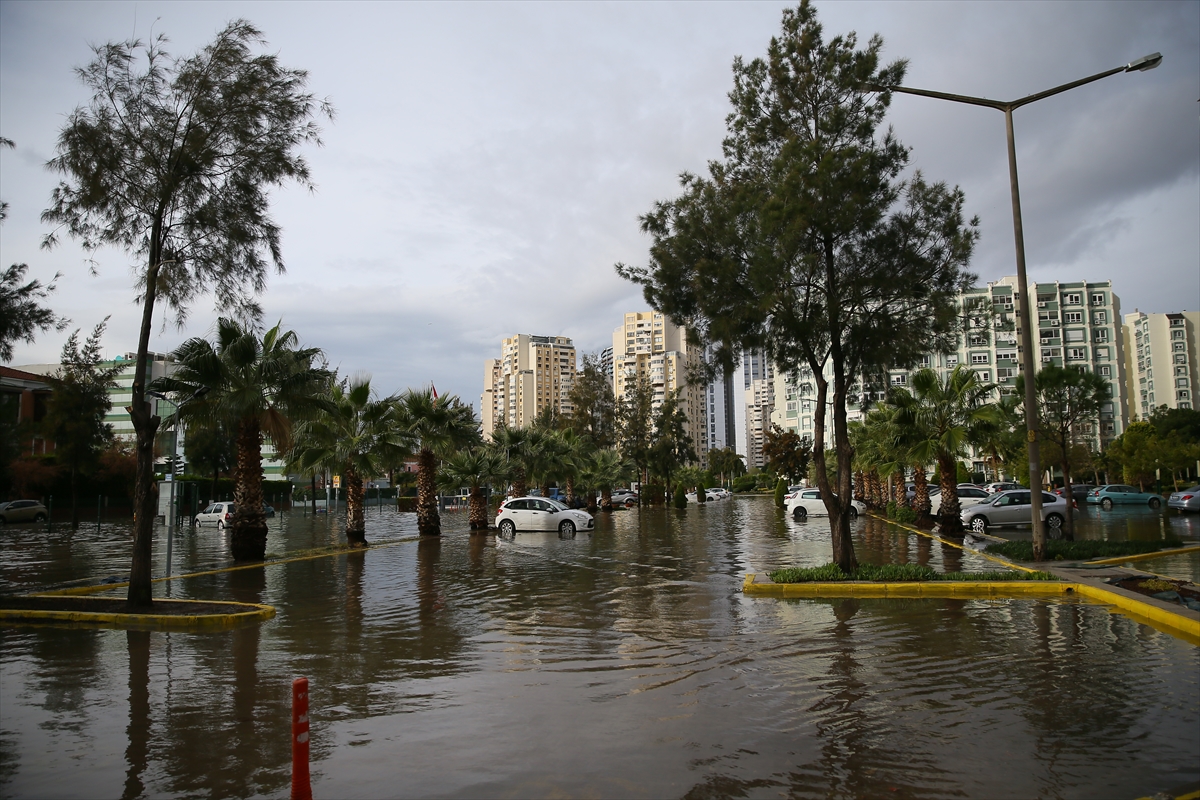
[758,379]
[719,408]
[650,344]
[1161,360]
[532,373]
[1076,324]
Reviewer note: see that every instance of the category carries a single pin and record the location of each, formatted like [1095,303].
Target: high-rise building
[722,430]
[1162,361]
[606,364]
[758,378]
[532,373]
[1076,324]
[650,344]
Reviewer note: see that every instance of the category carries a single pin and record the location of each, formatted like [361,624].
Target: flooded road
[622,664]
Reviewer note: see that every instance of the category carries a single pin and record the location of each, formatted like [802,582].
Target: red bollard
[301,788]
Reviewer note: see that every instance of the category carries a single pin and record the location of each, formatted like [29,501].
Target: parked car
[710,495]
[1187,500]
[268,510]
[1117,494]
[22,511]
[624,497]
[967,496]
[541,514]
[1012,508]
[910,489]
[219,514]
[808,503]
[1079,491]
[1001,486]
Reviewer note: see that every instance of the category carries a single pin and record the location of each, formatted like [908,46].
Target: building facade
[720,412]
[1161,364]
[758,382]
[650,344]
[532,373]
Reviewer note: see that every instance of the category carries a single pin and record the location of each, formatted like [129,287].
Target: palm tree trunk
[860,489]
[356,524]
[921,502]
[477,510]
[1068,529]
[950,514]
[606,499]
[429,521]
[519,486]
[571,491]
[248,536]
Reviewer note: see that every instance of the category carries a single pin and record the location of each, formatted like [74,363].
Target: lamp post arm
[1000,105]
[1024,101]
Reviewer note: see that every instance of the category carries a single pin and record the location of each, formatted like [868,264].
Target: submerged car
[1187,500]
[1116,494]
[808,503]
[1013,508]
[219,514]
[1079,491]
[22,511]
[541,514]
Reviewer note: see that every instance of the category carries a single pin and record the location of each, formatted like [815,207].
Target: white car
[967,496]
[219,514]
[710,495]
[1012,508]
[541,514]
[808,503]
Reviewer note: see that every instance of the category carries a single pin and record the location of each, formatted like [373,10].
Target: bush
[1080,551]
[652,494]
[898,573]
[891,509]
[905,515]
[780,492]
[745,483]
[679,499]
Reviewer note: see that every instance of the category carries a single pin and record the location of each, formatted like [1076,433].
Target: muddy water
[624,664]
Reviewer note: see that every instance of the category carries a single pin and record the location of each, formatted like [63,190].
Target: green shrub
[905,515]
[780,492]
[891,509]
[743,483]
[652,494]
[1080,551]
[679,499]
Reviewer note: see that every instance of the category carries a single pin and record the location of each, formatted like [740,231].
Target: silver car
[219,514]
[1012,508]
[1187,500]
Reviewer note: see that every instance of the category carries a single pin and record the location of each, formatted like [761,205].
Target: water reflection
[625,663]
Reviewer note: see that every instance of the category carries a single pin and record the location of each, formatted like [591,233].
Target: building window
[1182,394]
[1076,353]
[1102,335]
[1177,347]
[1073,317]
[1099,318]
[899,380]
[1048,316]
[926,362]
[1176,334]
[1181,383]
[979,358]
[1098,299]
[1180,358]
[1106,371]
[978,341]
[1075,336]
[1072,299]
[951,361]
[984,375]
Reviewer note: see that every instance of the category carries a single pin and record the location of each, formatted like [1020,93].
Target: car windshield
[557,505]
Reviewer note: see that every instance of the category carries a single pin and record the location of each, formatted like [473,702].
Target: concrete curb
[247,612]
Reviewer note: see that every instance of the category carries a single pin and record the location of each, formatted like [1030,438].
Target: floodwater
[622,664]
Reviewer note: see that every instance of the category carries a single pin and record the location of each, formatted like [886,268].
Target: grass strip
[1058,550]
[897,573]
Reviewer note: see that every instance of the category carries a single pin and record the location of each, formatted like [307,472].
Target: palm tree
[439,426]
[474,468]
[519,449]
[909,439]
[950,414]
[257,386]
[604,470]
[358,437]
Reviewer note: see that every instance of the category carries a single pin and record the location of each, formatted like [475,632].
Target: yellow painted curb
[950,542]
[1145,556]
[1184,627]
[254,612]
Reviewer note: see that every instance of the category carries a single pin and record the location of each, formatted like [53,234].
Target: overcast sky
[489,161]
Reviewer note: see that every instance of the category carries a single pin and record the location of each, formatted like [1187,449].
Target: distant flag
[434,388]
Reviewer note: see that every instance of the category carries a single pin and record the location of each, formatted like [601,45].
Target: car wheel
[220,524]
[630,504]
[1054,524]
[507,527]
[39,518]
[1106,504]
[853,513]
[567,528]
[800,514]
[979,524]
[1155,502]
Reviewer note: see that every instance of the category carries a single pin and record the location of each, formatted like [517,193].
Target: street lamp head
[1144,63]
[159,395]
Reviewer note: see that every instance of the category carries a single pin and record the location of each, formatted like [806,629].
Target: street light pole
[1028,354]
[174,457]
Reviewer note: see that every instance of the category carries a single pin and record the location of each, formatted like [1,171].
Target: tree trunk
[477,512]
[571,491]
[213,494]
[950,515]
[356,523]
[606,499]
[519,487]
[145,426]
[429,521]
[1068,528]
[860,488]
[921,502]
[248,534]
[74,500]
